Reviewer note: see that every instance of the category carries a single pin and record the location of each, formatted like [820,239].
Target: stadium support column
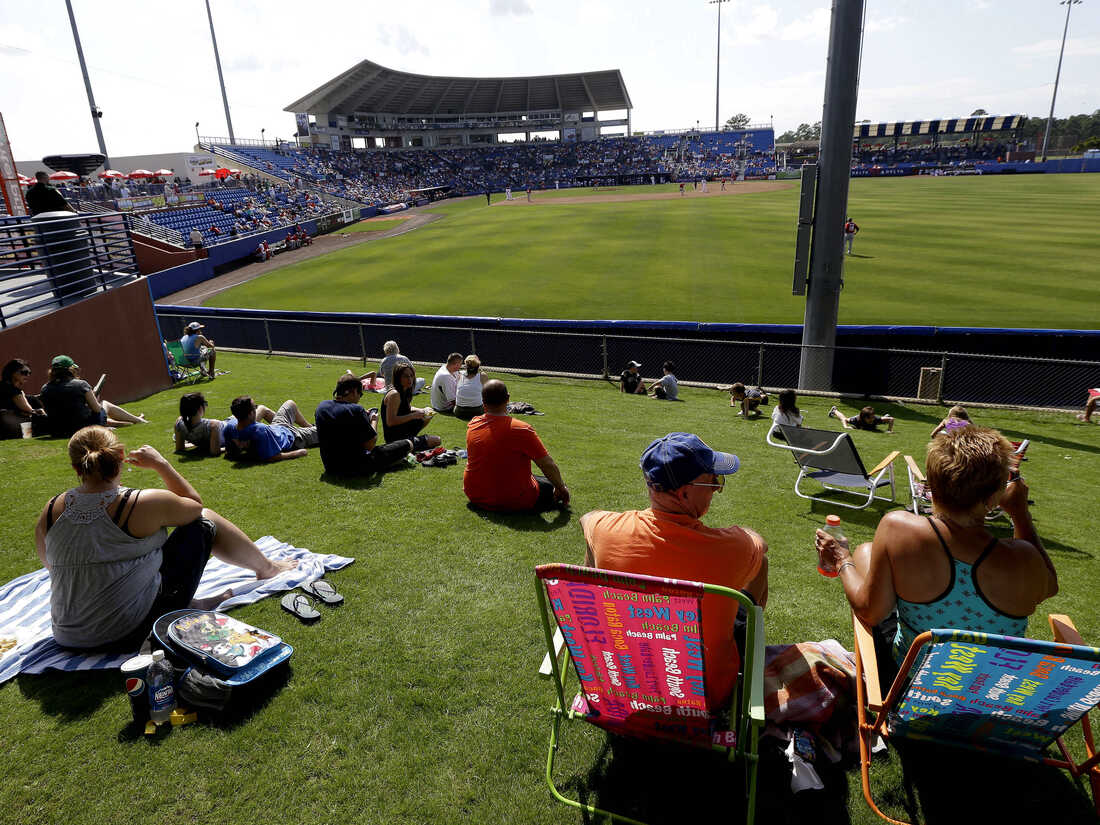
[96,114]
[827,256]
[221,78]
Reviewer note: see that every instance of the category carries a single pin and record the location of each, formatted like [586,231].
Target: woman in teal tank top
[949,571]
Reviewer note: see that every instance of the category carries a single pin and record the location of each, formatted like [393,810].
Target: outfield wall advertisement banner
[13,197]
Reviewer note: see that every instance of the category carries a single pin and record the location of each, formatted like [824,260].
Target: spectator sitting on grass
[468,400]
[287,436]
[1090,406]
[748,399]
[786,410]
[16,407]
[669,539]
[865,419]
[665,388]
[207,434]
[400,419]
[445,384]
[349,437]
[198,348]
[631,380]
[390,362]
[957,417]
[498,471]
[71,403]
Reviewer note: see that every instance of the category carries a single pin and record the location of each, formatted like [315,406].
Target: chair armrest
[886,462]
[547,669]
[756,678]
[866,645]
[1064,630]
[914,469]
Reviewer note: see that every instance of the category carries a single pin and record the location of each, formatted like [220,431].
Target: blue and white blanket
[25,607]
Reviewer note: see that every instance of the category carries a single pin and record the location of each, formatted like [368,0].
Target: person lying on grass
[865,419]
[206,434]
[113,566]
[948,570]
[286,436]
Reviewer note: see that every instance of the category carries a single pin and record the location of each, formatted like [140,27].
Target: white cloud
[882,24]
[1075,47]
[503,8]
[759,25]
[401,39]
[814,26]
[13,51]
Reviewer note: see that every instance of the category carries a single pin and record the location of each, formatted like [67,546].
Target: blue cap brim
[725,463]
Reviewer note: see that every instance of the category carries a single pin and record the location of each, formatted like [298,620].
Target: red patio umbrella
[25,181]
[64,176]
[163,173]
[140,173]
[205,173]
[234,171]
[110,173]
[222,174]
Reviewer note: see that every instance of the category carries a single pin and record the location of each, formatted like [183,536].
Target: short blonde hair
[473,364]
[390,348]
[95,452]
[959,413]
[967,465]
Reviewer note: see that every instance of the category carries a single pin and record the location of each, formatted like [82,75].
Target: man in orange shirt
[682,474]
[498,468]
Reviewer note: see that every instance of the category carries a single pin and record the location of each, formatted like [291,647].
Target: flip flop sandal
[324,591]
[301,606]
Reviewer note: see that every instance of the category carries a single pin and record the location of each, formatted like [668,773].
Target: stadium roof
[368,88]
[947,125]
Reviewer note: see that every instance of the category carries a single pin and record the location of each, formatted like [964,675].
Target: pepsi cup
[135,674]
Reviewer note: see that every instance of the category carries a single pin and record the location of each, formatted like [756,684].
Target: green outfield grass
[373,227]
[417,701]
[1015,251]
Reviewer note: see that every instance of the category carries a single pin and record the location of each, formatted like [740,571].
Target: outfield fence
[914,375]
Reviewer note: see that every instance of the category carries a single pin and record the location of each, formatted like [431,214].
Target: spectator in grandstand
[630,381]
[666,387]
[199,349]
[207,434]
[400,419]
[393,357]
[1090,406]
[71,403]
[41,197]
[445,384]
[263,252]
[113,567]
[349,437]
[468,398]
[786,410]
[748,399]
[498,469]
[16,407]
[948,570]
[197,241]
[668,539]
[956,417]
[865,419]
[850,230]
[286,437]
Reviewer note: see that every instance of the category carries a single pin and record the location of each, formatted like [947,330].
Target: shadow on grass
[660,784]
[527,522]
[352,482]
[70,697]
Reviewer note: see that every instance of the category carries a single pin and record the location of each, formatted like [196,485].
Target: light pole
[1069,4]
[221,79]
[262,137]
[96,113]
[717,58]
[197,141]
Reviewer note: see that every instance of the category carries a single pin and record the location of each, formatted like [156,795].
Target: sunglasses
[719,485]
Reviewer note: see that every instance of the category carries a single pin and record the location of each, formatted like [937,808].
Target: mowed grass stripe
[991,251]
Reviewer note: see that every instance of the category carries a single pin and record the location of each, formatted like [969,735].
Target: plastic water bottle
[832,527]
[162,690]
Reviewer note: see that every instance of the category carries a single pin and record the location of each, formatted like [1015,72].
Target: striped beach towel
[805,683]
[25,607]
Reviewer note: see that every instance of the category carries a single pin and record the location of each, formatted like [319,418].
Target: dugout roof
[368,88]
[947,125]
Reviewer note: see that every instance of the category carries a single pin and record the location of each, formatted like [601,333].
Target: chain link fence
[912,375]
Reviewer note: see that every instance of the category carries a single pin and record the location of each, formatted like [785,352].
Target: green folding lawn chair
[636,646]
[183,368]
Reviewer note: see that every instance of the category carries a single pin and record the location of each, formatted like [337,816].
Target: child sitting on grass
[749,399]
[957,417]
[865,419]
[786,411]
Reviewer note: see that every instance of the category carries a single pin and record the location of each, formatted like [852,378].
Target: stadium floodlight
[1069,4]
[717,59]
[221,79]
[96,113]
[262,137]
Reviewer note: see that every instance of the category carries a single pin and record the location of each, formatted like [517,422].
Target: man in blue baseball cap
[668,540]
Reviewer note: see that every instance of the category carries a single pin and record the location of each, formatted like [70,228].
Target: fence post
[760,367]
[603,347]
[473,344]
[267,333]
[943,377]
[362,345]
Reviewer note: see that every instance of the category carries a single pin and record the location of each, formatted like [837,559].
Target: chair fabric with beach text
[986,693]
[636,646]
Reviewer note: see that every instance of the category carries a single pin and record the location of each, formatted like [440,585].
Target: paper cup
[25,426]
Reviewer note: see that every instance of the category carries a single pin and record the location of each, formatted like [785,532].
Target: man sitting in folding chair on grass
[198,349]
[668,540]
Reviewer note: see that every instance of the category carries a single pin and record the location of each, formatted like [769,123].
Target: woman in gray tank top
[113,566]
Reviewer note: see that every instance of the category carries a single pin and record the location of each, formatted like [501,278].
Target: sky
[152,65]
